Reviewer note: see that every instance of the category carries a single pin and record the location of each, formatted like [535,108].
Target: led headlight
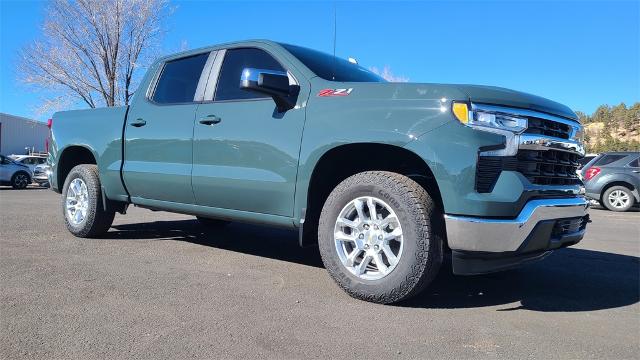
[486,119]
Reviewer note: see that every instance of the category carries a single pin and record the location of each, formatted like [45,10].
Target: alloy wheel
[368,238]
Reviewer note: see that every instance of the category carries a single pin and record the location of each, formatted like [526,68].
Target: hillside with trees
[612,128]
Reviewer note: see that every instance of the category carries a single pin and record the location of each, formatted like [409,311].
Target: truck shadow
[568,280]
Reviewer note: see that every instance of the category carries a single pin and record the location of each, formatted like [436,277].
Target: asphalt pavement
[160,286]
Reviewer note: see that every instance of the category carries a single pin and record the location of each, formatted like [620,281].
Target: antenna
[335,35]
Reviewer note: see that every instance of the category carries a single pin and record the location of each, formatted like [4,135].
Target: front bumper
[483,245]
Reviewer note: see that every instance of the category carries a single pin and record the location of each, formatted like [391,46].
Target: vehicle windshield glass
[332,68]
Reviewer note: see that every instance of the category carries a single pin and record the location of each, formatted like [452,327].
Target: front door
[159,133]
[247,157]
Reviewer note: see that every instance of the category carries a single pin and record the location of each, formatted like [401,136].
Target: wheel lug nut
[366,246]
[361,236]
[379,237]
[376,247]
[366,227]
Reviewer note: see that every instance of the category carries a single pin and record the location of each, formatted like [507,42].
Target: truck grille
[548,128]
[548,167]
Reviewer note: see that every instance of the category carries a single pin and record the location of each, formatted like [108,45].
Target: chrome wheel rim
[77,201]
[21,180]
[368,238]
[619,199]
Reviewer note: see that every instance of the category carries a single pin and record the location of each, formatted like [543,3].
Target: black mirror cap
[272,83]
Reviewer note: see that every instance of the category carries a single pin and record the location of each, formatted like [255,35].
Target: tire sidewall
[605,198]
[413,235]
[93,188]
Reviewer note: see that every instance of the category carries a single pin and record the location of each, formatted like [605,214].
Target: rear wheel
[82,207]
[617,198]
[379,237]
[20,180]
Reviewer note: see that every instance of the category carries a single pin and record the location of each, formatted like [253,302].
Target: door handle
[635,171]
[210,120]
[138,123]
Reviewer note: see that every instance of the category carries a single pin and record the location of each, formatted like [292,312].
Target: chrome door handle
[138,123]
[210,120]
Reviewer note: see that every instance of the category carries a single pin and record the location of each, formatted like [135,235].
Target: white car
[30,160]
[41,175]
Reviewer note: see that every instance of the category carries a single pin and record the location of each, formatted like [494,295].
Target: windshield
[332,68]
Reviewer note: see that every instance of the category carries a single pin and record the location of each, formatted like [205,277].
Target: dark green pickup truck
[386,178]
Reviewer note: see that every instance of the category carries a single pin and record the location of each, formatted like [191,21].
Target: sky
[580,53]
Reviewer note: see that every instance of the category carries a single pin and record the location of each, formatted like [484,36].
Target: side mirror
[272,83]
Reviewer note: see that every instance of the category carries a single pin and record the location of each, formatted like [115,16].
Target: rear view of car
[613,179]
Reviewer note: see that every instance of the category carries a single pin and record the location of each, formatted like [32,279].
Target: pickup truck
[385,178]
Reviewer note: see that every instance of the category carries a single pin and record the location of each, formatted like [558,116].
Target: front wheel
[82,207]
[617,198]
[20,180]
[379,237]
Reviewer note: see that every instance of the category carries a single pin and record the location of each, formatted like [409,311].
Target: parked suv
[14,174]
[613,179]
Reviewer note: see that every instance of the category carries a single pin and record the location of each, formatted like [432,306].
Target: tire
[212,223]
[617,198]
[420,223]
[20,180]
[96,221]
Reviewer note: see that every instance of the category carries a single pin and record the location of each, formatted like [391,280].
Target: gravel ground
[161,286]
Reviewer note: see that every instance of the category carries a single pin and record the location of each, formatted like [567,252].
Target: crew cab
[384,177]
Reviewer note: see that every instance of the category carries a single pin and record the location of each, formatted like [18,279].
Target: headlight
[486,119]
[578,134]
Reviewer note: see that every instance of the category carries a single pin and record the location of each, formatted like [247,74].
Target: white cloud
[388,75]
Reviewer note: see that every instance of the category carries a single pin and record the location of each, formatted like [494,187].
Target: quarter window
[635,163]
[236,60]
[179,80]
[608,159]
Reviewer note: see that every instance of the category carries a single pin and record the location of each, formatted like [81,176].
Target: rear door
[248,159]
[159,132]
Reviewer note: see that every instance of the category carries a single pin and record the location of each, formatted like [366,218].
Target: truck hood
[505,97]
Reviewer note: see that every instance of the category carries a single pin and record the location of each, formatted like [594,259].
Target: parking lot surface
[161,286]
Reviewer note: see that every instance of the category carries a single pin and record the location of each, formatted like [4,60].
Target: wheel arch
[70,157]
[342,161]
[628,185]
[21,171]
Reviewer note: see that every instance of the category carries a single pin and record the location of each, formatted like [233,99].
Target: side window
[635,163]
[608,159]
[235,61]
[179,80]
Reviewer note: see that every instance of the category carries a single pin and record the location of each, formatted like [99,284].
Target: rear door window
[236,60]
[608,159]
[179,80]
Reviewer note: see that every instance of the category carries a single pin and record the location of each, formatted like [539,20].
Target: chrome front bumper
[476,234]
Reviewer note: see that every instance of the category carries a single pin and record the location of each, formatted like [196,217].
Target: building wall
[18,133]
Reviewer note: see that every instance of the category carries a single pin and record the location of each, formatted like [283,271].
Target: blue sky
[580,53]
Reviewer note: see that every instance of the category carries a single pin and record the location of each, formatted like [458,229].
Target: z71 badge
[335,92]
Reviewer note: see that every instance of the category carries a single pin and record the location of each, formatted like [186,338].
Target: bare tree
[91,49]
